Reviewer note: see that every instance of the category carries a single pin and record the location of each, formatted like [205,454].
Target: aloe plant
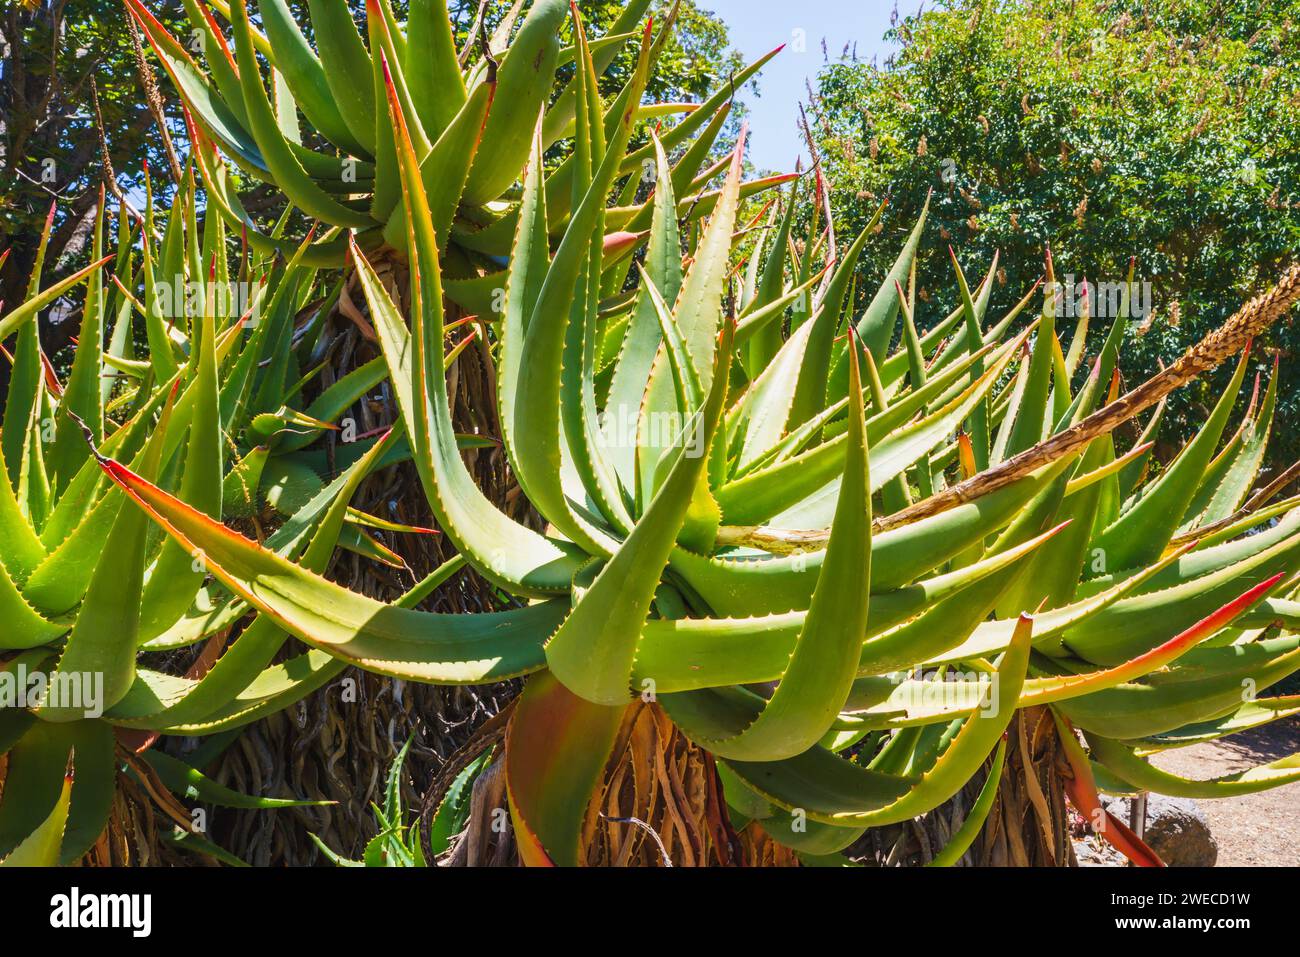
[93,599]
[397,842]
[771,525]
[470,117]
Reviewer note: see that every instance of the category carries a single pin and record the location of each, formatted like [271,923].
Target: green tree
[1164,130]
[64,65]
[74,118]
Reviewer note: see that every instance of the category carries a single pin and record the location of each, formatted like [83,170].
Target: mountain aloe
[93,600]
[470,116]
[834,551]
[839,568]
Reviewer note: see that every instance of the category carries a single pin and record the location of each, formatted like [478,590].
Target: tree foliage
[57,58]
[1164,130]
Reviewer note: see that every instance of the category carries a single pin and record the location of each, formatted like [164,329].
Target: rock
[1178,831]
[1175,829]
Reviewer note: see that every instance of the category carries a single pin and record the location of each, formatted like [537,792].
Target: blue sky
[759,25]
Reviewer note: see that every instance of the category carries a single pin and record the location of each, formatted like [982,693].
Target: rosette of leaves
[317,126]
[397,841]
[782,529]
[98,609]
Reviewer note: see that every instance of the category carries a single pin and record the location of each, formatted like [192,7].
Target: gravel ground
[1257,830]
